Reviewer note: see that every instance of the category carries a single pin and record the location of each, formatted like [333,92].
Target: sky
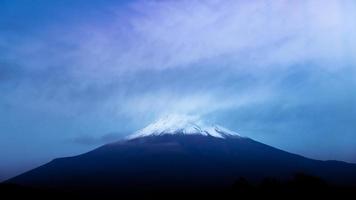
[77,74]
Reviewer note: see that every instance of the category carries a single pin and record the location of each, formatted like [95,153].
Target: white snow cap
[182,125]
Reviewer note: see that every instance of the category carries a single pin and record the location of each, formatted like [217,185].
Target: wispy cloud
[110,56]
[91,140]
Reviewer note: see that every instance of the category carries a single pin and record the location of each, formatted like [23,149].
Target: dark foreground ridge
[179,165]
[301,186]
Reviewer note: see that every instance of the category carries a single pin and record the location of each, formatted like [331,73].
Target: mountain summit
[182,125]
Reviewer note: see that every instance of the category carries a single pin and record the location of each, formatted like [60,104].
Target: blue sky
[78,74]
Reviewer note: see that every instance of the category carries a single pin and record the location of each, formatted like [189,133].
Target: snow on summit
[182,125]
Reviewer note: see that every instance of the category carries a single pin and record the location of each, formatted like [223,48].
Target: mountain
[179,153]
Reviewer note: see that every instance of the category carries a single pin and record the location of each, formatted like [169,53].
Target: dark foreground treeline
[301,186]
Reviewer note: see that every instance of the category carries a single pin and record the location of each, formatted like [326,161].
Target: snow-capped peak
[182,125]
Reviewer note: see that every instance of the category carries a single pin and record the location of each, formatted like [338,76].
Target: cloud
[157,35]
[180,34]
[169,56]
[92,140]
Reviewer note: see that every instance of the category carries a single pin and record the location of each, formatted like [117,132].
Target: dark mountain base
[178,166]
[300,186]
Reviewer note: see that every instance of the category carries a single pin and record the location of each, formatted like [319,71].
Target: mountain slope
[185,161]
[185,155]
